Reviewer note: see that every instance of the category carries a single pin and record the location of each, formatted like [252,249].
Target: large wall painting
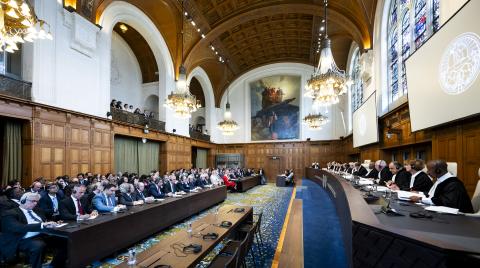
[275,102]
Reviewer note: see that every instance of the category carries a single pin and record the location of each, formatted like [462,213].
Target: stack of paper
[442,209]
[363,181]
[405,195]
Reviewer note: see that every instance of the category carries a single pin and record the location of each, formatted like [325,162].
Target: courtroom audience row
[43,205]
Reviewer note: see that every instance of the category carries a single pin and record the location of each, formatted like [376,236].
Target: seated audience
[75,207]
[155,189]
[447,190]
[21,228]
[128,196]
[231,185]
[49,202]
[372,172]
[105,201]
[140,191]
[359,170]
[13,199]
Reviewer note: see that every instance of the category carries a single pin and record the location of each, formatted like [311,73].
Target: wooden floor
[290,245]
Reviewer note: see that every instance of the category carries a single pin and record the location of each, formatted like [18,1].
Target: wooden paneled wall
[455,142]
[278,156]
[58,142]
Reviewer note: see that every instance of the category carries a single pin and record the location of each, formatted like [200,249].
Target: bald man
[447,190]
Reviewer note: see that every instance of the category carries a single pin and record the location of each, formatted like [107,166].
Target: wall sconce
[144,140]
[391,131]
[145,129]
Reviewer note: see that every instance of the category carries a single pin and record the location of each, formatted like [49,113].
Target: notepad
[60,225]
[365,182]
[405,195]
[442,209]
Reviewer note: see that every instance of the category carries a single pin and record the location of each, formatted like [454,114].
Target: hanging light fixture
[19,23]
[315,121]
[181,101]
[328,82]
[228,126]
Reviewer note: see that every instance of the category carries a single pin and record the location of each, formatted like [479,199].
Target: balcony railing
[199,136]
[137,119]
[15,88]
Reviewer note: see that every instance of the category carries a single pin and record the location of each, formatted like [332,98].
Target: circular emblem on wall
[460,64]
[362,125]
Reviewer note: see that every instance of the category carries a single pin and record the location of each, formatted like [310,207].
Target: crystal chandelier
[19,23]
[327,81]
[228,125]
[181,101]
[315,121]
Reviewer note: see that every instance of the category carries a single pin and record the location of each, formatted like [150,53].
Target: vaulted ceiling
[251,33]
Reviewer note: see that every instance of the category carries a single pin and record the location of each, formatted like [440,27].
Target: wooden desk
[106,234]
[169,250]
[382,241]
[246,183]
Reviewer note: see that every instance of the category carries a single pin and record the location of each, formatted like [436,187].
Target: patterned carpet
[268,198]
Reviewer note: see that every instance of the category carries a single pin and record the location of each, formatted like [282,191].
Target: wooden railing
[15,88]
[199,136]
[137,119]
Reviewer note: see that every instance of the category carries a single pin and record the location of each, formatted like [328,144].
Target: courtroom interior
[239,133]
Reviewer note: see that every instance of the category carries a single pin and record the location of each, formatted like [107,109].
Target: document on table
[60,225]
[442,209]
[405,195]
[365,182]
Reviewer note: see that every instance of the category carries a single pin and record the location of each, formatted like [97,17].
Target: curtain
[201,161]
[12,151]
[126,155]
[148,157]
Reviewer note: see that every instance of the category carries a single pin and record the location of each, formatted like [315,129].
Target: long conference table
[95,239]
[169,253]
[375,239]
[246,183]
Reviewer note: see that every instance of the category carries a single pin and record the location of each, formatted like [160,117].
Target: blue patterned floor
[272,200]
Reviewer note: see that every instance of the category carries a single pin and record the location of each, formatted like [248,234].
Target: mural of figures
[275,102]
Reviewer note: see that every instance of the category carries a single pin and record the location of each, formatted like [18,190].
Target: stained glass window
[410,24]
[357,86]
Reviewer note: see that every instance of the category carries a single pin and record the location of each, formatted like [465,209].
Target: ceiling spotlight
[212,47]
[198,30]
[186,13]
[322,28]
[193,23]
[203,36]
[323,20]
[144,140]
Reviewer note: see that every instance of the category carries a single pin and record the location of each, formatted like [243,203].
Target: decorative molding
[84,33]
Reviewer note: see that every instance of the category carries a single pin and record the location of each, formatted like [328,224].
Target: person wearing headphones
[384,174]
[420,181]
[400,179]
[21,231]
[447,190]
[75,207]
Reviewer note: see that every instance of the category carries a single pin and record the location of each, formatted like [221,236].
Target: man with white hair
[21,229]
[384,173]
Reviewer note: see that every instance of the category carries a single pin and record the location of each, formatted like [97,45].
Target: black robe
[385,175]
[451,193]
[422,183]
[361,171]
[402,179]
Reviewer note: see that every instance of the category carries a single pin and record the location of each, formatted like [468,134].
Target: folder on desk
[442,209]
[405,195]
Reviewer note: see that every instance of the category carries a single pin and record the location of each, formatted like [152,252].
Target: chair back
[233,261]
[243,248]
[476,198]
[452,168]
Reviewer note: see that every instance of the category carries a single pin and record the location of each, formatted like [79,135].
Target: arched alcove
[123,12]
[151,104]
[200,84]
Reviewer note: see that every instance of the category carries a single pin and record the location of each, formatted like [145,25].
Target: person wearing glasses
[21,231]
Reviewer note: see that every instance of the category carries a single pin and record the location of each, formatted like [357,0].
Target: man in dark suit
[140,191]
[13,199]
[128,196]
[75,207]
[49,202]
[420,181]
[400,179]
[447,190]
[170,185]
[384,173]
[36,187]
[155,189]
[21,229]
